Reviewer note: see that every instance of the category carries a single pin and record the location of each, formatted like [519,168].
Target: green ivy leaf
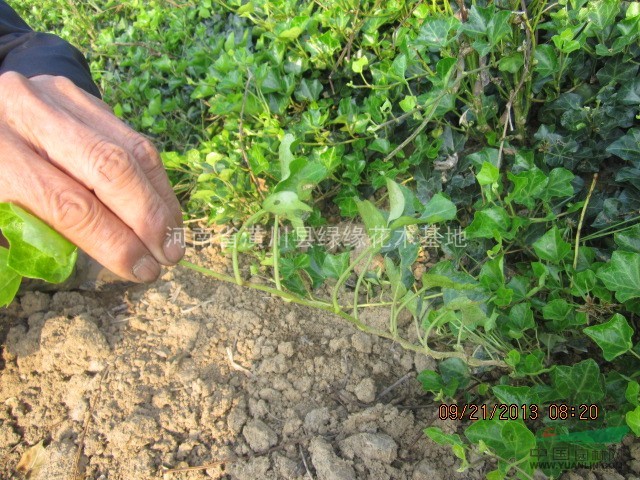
[444,69]
[396,200]
[565,41]
[627,147]
[497,474]
[519,439]
[257,159]
[303,176]
[629,93]
[441,438]
[290,269]
[486,22]
[602,13]
[629,174]
[499,26]
[381,145]
[509,439]
[435,32]
[373,219]
[316,255]
[489,223]
[408,103]
[527,186]
[579,383]
[454,371]
[513,358]
[562,314]
[613,337]
[331,157]
[519,320]
[359,63]
[478,22]
[431,381]
[492,273]
[622,275]
[438,209]
[552,247]
[633,420]
[9,279]
[617,70]
[632,393]
[546,60]
[285,155]
[290,33]
[457,445]
[335,265]
[287,204]
[488,174]
[629,240]
[557,149]
[510,395]
[531,364]
[512,64]
[308,90]
[36,250]
[583,283]
[489,155]
[559,184]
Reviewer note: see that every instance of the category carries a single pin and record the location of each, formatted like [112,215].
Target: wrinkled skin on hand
[67,159]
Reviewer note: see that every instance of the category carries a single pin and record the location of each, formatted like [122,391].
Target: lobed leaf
[489,223]
[622,275]
[579,383]
[627,147]
[552,247]
[438,209]
[509,439]
[613,337]
[629,239]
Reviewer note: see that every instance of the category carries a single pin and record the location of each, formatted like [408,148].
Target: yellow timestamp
[506,411]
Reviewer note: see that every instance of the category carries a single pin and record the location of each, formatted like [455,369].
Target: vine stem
[393,318]
[610,230]
[243,150]
[358,284]
[329,307]
[276,251]
[234,252]
[580,222]
[343,278]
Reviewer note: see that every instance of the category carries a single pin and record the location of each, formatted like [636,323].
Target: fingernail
[147,269]
[173,249]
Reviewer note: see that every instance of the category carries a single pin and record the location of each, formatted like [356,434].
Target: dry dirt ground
[191,378]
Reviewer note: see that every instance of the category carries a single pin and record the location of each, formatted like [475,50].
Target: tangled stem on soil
[329,307]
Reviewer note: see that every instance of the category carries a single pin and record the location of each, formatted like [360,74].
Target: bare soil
[191,378]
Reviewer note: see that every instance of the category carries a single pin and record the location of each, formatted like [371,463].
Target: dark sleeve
[30,53]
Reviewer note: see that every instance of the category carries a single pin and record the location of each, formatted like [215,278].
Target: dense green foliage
[517,121]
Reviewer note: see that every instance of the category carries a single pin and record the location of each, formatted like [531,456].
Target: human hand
[67,159]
